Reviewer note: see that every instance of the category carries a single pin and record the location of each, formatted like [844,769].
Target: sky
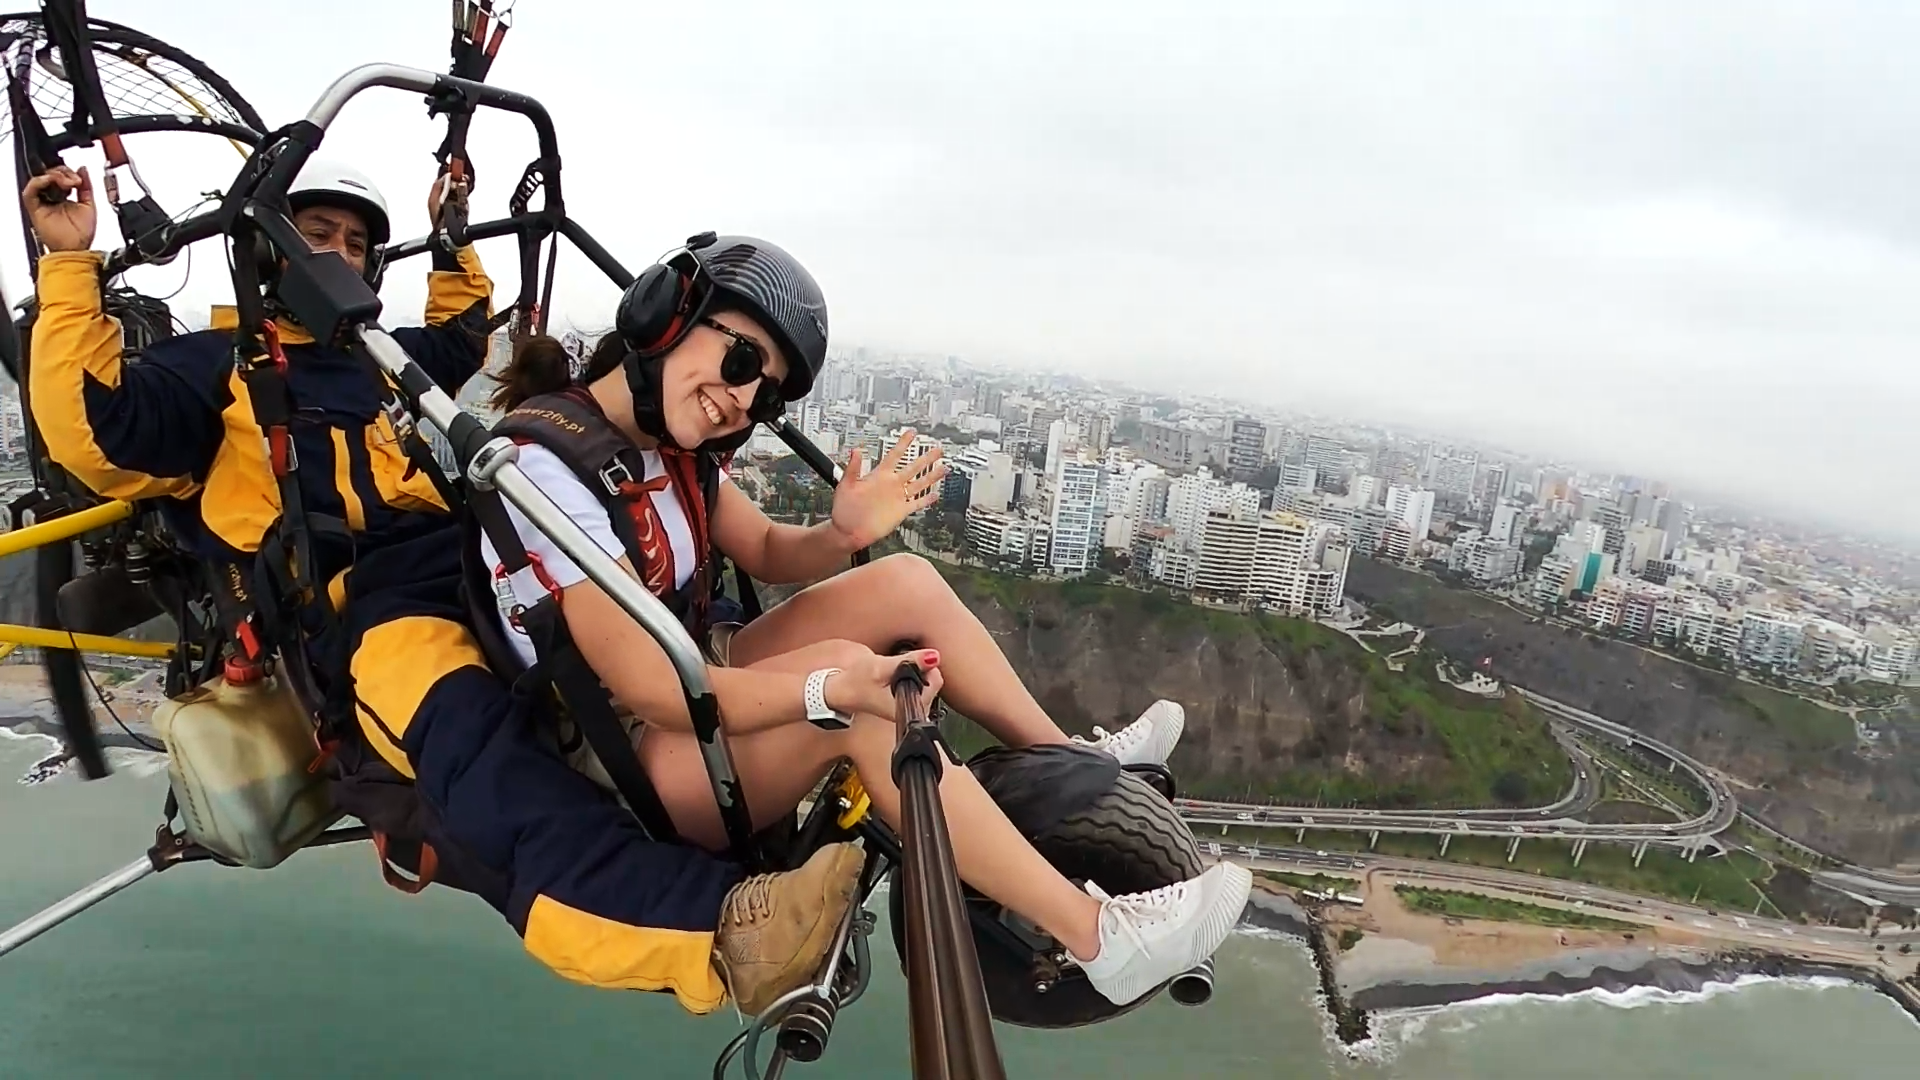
[1678,240]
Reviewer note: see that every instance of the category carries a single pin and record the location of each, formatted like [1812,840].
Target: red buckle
[271,335]
[539,574]
[326,753]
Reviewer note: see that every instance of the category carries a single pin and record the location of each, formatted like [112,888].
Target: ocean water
[316,969]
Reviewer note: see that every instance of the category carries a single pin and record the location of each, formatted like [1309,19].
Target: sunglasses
[746,361]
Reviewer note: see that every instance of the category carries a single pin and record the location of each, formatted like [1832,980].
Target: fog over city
[1676,242]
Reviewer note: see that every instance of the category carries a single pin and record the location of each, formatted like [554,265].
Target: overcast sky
[1683,242]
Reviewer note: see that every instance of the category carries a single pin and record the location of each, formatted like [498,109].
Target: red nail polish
[930,659]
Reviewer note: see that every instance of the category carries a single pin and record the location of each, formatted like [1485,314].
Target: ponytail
[540,365]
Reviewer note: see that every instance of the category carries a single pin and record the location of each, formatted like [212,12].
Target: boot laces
[753,900]
[1133,912]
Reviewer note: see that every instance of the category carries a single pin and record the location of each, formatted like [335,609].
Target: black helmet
[777,292]
[669,298]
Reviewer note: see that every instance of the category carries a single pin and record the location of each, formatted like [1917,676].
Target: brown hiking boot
[775,929]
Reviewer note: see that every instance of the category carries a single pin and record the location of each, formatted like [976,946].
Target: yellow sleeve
[127,433]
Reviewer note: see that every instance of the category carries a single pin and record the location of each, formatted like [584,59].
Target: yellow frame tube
[11,635]
[64,528]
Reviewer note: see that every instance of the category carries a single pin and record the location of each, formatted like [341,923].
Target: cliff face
[1796,764]
[1275,707]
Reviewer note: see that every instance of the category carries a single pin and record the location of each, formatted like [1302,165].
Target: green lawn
[1461,905]
[1805,727]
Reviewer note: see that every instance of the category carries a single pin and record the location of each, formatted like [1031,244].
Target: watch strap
[818,712]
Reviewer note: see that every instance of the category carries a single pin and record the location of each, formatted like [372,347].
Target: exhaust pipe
[1193,986]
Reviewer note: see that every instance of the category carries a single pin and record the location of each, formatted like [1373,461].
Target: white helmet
[323,182]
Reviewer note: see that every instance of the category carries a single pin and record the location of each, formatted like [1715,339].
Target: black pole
[951,1027]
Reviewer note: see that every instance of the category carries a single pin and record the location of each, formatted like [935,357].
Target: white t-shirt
[552,477]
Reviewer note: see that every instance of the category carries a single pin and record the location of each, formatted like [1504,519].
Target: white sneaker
[1148,938]
[1148,739]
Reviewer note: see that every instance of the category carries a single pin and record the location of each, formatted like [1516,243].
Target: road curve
[1552,822]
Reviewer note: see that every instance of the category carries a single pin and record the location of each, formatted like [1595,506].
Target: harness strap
[405,428]
[558,663]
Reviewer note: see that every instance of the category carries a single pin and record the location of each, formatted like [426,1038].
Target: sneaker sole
[1223,914]
[1167,729]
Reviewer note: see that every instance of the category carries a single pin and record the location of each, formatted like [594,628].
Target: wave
[9,734]
[56,767]
[1394,1029]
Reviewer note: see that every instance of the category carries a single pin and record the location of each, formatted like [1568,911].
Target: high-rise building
[1509,524]
[1771,639]
[1096,433]
[1484,559]
[1172,447]
[1246,448]
[1555,580]
[1366,490]
[1079,516]
[1298,476]
[1190,498]
[1892,654]
[1414,506]
[988,400]
[1454,473]
[1064,438]
[1328,456]
[1277,560]
[994,535]
[1493,485]
[1137,496]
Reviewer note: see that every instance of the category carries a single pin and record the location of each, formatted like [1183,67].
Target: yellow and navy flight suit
[591,896]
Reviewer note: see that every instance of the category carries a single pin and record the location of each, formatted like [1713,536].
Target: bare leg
[904,597]
[778,766]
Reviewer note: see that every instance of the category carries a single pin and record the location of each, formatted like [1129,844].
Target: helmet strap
[645,375]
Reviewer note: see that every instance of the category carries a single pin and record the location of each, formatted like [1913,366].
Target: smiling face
[331,228]
[696,401]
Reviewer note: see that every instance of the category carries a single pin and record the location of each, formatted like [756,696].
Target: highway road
[1820,942]
[1555,822]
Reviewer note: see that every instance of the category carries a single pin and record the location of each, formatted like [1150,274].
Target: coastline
[1387,973]
[1574,975]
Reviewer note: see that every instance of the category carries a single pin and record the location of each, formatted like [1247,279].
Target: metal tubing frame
[158,858]
[493,466]
[42,637]
[64,527]
[35,925]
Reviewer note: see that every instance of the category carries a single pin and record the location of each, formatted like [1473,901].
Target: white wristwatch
[818,712]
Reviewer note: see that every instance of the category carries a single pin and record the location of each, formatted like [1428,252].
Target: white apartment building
[992,472]
[1484,559]
[1136,495]
[1079,516]
[1893,653]
[1298,476]
[1276,560]
[1192,497]
[1509,523]
[1414,506]
[1555,580]
[1771,639]
[994,534]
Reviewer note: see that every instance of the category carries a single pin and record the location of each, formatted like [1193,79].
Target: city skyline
[1644,240]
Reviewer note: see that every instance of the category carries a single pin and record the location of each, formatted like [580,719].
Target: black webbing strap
[406,428]
[557,660]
